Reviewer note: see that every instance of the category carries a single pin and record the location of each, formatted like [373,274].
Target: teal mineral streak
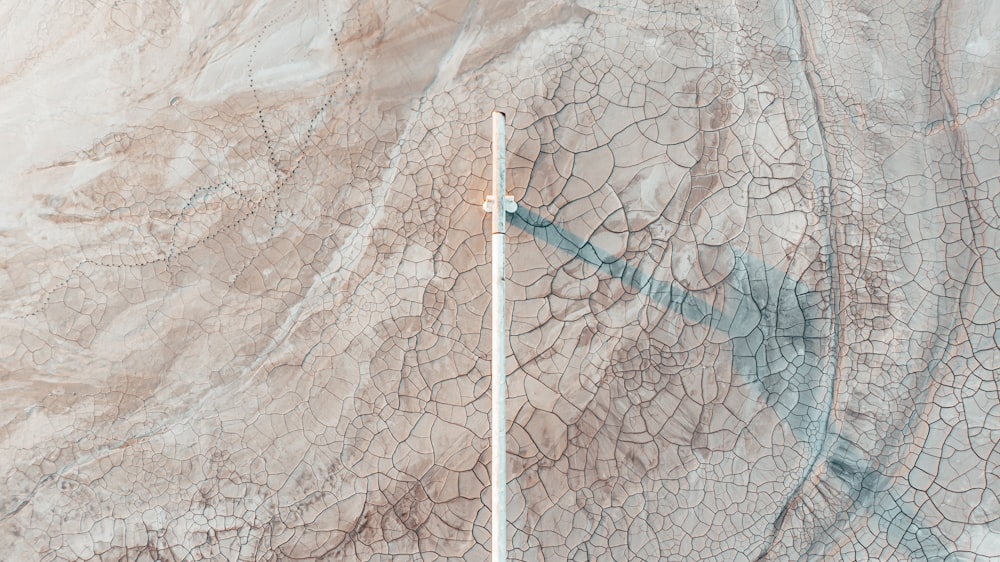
[775,323]
[781,337]
[667,294]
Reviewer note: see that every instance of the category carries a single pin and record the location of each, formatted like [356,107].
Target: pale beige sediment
[245,282]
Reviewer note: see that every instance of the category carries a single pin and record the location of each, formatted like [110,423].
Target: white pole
[499,205]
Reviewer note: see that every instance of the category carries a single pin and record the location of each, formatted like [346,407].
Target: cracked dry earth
[753,280]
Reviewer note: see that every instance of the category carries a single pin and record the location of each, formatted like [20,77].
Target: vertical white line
[499,381]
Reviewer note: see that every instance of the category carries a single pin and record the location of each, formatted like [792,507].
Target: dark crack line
[833,277]
[28,498]
[957,136]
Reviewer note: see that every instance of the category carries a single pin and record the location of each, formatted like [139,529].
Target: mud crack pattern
[754,282]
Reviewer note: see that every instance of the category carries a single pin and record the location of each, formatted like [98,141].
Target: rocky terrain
[754,285]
